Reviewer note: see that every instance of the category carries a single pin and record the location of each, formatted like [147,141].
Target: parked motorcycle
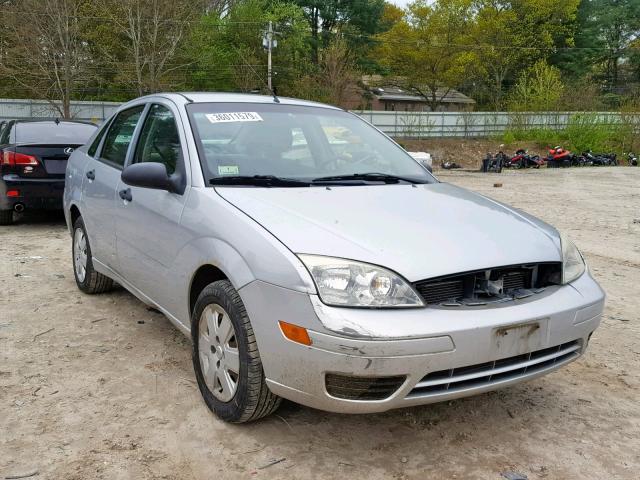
[449,165]
[632,159]
[522,159]
[589,158]
[493,163]
[561,158]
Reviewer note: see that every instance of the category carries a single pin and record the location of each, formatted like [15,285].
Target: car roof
[223,97]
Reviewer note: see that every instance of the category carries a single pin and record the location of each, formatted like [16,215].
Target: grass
[584,131]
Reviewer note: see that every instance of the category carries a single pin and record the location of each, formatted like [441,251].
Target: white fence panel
[80,110]
[395,124]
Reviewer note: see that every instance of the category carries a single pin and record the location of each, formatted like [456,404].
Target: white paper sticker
[228,170]
[234,117]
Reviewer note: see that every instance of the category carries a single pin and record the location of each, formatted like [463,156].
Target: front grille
[515,280]
[362,388]
[441,291]
[486,286]
[489,373]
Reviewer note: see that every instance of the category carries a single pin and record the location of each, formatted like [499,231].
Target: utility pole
[269,42]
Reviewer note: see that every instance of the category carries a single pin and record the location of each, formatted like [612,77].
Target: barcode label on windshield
[234,117]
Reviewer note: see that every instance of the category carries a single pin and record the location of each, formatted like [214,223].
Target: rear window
[52,133]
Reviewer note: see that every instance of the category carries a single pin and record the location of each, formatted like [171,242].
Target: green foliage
[605,35]
[584,131]
[538,89]
[514,34]
[226,51]
[356,20]
[425,50]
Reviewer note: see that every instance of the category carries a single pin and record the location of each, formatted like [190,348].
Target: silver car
[309,257]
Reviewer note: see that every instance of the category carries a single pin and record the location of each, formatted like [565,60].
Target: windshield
[292,142]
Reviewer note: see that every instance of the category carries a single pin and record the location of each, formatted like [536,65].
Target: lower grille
[486,374]
[362,388]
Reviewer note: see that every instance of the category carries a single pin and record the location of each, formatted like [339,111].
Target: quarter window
[117,140]
[159,140]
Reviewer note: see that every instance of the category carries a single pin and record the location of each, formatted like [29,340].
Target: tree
[538,89]
[226,50]
[140,41]
[359,19]
[46,53]
[510,35]
[427,51]
[605,34]
[337,76]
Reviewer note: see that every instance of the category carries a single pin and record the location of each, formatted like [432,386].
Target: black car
[33,160]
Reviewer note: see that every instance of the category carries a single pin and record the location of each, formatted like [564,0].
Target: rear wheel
[6,217]
[87,279]
[226,359]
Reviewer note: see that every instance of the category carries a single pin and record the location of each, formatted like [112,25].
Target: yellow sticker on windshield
[233,117]
[228,170]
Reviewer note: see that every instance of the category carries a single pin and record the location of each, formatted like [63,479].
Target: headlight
[347,283]
[572,262]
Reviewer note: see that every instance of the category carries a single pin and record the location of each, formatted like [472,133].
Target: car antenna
[271,90]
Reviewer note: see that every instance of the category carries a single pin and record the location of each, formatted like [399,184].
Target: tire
[6,217]
[250,398]
[88,281]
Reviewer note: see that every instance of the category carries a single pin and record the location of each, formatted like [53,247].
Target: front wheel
[87,279]
[226,359]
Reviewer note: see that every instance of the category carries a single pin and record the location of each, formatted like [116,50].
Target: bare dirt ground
[99,387]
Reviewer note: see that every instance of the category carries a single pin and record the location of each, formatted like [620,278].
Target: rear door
[148,231]
[102,174]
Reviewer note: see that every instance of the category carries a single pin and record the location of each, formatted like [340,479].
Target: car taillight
[14,158]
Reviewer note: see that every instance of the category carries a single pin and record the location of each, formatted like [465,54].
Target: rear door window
[118,138]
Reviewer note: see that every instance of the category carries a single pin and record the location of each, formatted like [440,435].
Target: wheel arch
[202,277]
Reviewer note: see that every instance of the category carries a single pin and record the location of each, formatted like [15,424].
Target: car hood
[419,231]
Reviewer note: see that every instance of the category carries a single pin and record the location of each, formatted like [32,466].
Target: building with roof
[374,93]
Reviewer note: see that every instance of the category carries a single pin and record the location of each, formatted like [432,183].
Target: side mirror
[149,175]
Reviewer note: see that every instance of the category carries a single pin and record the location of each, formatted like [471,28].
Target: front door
[148,231]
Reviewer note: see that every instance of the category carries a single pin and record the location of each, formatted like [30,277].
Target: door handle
[125,194]
[91,174]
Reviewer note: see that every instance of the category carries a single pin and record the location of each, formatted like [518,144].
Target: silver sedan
[309,257]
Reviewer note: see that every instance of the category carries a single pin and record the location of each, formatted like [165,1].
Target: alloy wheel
[218,352]
[80,254]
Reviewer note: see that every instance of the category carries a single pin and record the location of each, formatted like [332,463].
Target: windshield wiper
[258,180]
[370,177]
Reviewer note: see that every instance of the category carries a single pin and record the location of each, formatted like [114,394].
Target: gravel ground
[99,387]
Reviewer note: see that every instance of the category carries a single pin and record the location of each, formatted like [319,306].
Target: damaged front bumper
[365,360]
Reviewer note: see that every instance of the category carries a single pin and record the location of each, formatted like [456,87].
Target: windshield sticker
[234,117]
[228,170]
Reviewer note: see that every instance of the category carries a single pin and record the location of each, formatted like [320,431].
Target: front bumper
[35,193]
[461,343]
